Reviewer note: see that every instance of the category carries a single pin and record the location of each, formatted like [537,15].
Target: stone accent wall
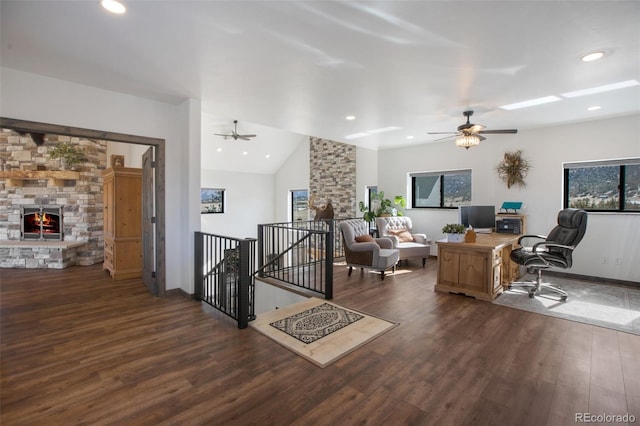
[333,176]
[82,199]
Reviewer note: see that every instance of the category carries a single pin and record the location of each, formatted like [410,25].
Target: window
[441,189]
[605,186]
[371,192]
[299,205]
[211,200]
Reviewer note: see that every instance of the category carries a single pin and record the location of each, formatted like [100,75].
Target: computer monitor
[480,218]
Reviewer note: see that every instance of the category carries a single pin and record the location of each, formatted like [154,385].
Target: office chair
[554,251]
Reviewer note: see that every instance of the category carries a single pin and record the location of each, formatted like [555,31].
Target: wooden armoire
[123,222]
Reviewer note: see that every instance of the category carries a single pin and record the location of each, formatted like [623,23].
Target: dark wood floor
[78,348]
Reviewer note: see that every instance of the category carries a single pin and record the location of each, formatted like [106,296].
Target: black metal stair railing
[300,254]
[224,276]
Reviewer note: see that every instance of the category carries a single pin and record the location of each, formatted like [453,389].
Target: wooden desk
[479,269]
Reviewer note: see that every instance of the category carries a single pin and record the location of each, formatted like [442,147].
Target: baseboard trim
[591,278]
[178,292]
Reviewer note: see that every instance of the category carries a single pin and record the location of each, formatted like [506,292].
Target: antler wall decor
[321,213]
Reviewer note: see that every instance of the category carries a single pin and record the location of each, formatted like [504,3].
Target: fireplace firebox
[41,223]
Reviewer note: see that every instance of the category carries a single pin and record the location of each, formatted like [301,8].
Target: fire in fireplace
[41,223]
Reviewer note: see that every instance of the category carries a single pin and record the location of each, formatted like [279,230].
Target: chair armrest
[420,238]
[394,240]
[386,242]
[545,244]
[365,247]
[522,237]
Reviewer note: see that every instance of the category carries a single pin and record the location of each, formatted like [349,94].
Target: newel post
[243,284]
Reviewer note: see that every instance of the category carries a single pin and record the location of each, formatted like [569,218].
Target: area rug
[320,331]
[604,305]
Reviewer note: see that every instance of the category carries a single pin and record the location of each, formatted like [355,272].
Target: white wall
[248,202]
[270,298]
[294,174]
[132,153]
[36,98]
[615,236]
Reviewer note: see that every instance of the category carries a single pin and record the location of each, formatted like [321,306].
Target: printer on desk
[508,220]
[508,225]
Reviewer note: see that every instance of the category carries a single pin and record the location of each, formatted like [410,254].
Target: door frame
[159,175]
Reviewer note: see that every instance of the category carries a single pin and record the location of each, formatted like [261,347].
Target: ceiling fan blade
[497,132]
[220,134]
[446,137]
[442,133]
[247,136]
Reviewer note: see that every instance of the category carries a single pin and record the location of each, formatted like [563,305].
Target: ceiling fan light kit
[234,133]
[469,134]
[467,141]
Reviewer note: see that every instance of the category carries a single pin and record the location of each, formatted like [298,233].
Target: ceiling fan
[470,134]
[235,135]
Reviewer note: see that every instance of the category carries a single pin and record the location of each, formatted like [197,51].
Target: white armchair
[410,245]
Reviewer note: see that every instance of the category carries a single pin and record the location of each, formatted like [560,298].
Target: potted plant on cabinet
[455,232]
[381,206]
[68,154]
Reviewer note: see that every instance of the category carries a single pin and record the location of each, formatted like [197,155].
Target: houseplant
[68,154]
[381,206]
[455,232]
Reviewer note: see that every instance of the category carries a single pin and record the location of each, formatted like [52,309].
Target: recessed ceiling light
[593,56]
[600,89]
[267,156]
[350,117]
[245,153]
[409,137]
[219,150]
[531,102]
[593,108]
[114,6]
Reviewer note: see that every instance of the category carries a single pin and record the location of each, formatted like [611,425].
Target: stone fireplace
[41,223]
[33,186]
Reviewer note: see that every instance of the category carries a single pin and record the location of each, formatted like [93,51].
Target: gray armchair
[399,229]
[361,250]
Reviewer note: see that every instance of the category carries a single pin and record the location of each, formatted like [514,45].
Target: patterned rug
[610,306]
[315,323]
[320,331]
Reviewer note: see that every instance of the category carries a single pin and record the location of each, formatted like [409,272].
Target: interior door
[148,224]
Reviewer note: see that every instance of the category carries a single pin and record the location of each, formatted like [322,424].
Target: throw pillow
[403,236]
[365,239]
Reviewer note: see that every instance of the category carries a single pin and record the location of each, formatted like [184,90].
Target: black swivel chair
[554,251]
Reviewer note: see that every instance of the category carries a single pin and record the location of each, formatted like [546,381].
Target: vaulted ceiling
[287,69]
